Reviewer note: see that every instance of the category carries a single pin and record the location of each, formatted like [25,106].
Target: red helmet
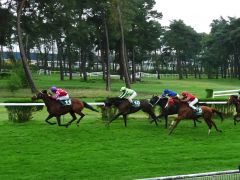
[184,93]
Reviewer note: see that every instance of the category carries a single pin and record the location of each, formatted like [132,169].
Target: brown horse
[235,101]
[124,108]
[56,109]
[186,112]
[166,111]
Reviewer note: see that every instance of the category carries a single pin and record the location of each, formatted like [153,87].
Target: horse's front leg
[236,119]
[49,117]
[59,122]
[125,119]
[174,124]
[153,116]
[114,117]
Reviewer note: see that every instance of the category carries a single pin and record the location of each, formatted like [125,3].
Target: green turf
[36,150]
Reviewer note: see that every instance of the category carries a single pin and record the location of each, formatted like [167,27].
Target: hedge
[21,113]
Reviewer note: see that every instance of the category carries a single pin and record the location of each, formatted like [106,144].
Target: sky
[198,14]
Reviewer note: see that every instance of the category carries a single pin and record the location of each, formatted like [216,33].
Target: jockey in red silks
[191,99]
[59,94]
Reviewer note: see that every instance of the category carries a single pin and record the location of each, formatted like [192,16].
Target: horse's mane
[115,100]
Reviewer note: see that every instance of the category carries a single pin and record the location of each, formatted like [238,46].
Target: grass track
[36,150]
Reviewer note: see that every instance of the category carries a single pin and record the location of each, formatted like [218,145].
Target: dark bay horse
[56,109]
[186,112]
[124,108]
[170,110]
[236,102]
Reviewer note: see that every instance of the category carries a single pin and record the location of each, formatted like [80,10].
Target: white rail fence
[93,103]
[42,104]
[226,93]
[221,175]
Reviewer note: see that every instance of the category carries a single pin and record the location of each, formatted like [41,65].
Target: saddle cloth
[136,103]
[199,111]
[66,102]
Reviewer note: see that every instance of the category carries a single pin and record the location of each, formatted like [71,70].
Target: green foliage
[21,113]
[14,82]
[209,93]
[17,79]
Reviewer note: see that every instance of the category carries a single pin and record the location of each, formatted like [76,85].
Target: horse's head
[40,95]
[160,100]
[233,99]
[113,101]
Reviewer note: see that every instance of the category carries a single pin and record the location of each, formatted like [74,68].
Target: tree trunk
[60,56]
[124,62]
[133,66]
[179,66]
[21,47]
[108,79]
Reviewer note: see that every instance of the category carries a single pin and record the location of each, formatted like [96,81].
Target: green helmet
[123,89]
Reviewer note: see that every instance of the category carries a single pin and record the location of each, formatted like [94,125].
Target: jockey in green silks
[128,94]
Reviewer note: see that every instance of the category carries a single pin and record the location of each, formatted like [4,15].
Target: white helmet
[123,89]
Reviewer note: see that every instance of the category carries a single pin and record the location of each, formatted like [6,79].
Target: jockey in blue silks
[170,94]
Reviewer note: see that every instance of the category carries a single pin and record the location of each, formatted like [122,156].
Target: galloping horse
[170,110]
[186,112]
[234,100]
[56,109]
[124,108]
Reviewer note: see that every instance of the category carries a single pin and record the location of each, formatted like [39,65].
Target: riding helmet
[54,89]
[123,89]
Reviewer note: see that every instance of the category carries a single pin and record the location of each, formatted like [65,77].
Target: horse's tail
[86,105]
[220,114]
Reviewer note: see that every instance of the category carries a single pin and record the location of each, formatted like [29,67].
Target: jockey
[169,93]
[192,100]
[128,94]
[59,94]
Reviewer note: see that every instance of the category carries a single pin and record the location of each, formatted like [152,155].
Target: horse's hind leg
[213,123]
[73,118]
[81,116]
[49,117]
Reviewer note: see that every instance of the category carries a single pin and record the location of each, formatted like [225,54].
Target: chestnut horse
[166,111]
[186,112]
[124,108]
[235,101]
[56,109]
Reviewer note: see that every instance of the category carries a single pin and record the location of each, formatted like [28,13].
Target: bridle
[159,97]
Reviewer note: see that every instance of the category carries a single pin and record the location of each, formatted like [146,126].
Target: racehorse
[166,111]
[56,109]
[235,101]
[125,107]
[186,112]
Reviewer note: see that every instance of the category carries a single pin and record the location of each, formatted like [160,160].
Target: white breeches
[130,98]
[192,103]
[63,97]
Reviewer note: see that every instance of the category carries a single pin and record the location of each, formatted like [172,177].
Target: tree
[20,6]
